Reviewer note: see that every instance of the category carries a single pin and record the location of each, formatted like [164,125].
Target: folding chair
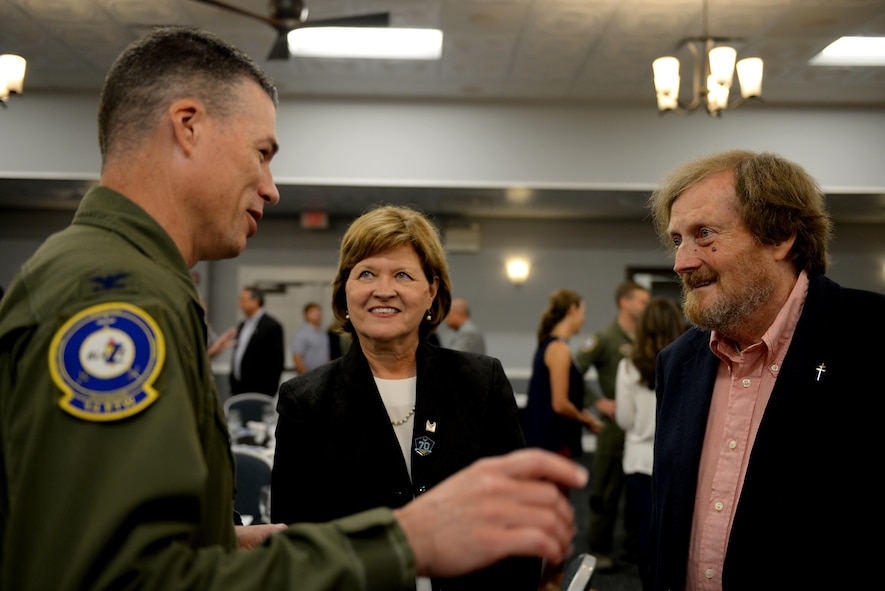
[252,406]
[253,472]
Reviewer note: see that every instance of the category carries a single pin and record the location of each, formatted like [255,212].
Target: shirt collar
[779,334]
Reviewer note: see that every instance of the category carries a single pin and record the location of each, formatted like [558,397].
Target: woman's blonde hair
[385,228]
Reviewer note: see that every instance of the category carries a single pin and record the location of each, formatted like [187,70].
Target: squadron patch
[105,360]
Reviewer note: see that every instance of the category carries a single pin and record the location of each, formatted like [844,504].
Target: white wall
[466,144]
[478,144]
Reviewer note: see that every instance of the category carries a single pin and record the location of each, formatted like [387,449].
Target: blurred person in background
[555,416]
[260,350]
[555,413]
[604,351]
[465,334]
[660,323]
[311,345]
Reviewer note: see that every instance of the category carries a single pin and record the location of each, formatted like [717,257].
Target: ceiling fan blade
[240,11]
[378,19]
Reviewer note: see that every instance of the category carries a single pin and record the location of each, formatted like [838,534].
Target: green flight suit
[604,350]
[116,463]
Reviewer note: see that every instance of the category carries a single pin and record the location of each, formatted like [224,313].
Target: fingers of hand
[535,463]
[518,517]
[501,506]
[250,536]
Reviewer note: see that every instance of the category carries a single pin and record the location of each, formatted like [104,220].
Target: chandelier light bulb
[12,74]
[749,72]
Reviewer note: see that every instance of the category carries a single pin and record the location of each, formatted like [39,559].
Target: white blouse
[635,414]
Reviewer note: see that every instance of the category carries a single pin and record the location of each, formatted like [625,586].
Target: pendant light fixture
[713,74]
[12,75]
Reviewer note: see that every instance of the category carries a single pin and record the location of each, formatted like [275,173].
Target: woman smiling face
[388,296]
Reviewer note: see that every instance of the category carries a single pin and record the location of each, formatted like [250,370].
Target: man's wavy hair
[777,200]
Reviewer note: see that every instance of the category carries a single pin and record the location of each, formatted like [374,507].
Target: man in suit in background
[260,351]
[466,335]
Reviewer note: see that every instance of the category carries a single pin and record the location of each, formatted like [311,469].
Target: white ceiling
[548,51]
[539,50]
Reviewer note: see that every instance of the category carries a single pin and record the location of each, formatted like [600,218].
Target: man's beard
[734,302]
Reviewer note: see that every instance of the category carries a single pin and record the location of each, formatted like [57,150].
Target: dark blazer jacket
[263,359]
[337,454]
[808,493]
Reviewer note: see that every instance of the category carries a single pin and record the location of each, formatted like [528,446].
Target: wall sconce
[12,75]
[517,271]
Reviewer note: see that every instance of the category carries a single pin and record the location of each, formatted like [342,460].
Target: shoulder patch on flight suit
[105,359]
[590,343]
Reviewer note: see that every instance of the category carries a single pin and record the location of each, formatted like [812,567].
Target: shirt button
[719,505]
[732,444]
[746,382]
[708,573]
[775,367]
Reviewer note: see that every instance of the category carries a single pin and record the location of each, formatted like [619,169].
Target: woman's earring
[346,315]
[428,315]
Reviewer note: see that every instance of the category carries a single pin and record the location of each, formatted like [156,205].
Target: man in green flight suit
[117,471]
[604,351]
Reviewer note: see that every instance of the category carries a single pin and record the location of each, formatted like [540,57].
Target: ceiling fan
[288,15]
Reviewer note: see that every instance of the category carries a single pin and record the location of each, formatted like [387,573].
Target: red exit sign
[314,220]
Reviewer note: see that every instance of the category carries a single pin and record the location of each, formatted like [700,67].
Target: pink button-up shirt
[743,386]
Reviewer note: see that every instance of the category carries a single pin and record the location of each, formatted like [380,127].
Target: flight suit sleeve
[134,502]
[586,355]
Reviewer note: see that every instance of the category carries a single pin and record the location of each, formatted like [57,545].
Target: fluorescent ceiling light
[366,43]
[852,51]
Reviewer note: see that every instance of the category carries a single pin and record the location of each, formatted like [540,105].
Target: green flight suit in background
[604,351]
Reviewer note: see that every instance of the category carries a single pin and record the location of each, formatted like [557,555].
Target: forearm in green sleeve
[364,551]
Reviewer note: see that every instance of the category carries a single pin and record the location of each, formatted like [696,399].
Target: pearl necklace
[403,420]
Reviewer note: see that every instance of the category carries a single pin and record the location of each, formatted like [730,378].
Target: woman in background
[394,415]
[659,325]
[555,413]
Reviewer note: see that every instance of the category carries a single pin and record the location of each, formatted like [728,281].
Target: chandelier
[714,64]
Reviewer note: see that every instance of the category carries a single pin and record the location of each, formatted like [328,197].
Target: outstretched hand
[502,506]
[225,341]
[250,536]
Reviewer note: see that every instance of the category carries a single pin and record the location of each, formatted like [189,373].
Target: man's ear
[185,116]
[782,249]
